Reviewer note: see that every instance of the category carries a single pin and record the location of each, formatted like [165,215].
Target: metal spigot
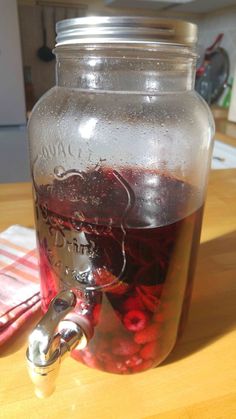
[54,336]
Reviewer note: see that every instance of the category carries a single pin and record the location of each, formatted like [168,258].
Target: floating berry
[135,320]
[149,334]
[133,361]
[150,350]
[133,303]
[102,347]
[116,367]
[109,282]
[124,346]
[119,289]
[76,354]
[104,356]
[90,360]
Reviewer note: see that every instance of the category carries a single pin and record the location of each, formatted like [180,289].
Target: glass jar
[120,153]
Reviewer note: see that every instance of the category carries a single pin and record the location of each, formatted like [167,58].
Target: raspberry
[119,288]
[146,365]
[155,290]
[133,303]
[135,320]
[76,354]
[133,361]
[102,348]
[116,367]
[103,277]
[109,282]
[121,367]
[124,347]
[149,334]
[104,356]
[149,351]
[148,297]
[90,360]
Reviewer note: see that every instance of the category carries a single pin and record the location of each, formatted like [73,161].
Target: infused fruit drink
[126,242]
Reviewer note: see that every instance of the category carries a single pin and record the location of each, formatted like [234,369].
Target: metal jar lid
[125,29]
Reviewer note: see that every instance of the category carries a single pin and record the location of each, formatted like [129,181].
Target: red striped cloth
[19,279]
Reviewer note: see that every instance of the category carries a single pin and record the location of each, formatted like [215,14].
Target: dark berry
[133,361]
[133,303]
[146,365]
[150,350]
[124,346]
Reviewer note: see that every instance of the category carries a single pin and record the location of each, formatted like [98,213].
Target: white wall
[12,99]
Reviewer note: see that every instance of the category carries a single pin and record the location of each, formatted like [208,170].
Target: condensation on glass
[120,152]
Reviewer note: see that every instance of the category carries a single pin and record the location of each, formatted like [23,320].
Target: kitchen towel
[19,279]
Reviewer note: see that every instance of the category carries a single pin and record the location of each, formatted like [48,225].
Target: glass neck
[126,69]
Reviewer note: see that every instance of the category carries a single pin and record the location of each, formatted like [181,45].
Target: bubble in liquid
[59,171]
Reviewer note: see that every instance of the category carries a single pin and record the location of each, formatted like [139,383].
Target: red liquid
[111,234]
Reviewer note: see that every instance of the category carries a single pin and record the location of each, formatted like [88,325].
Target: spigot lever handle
[53,337]
[43,341]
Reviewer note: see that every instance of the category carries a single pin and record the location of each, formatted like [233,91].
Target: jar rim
[125,29]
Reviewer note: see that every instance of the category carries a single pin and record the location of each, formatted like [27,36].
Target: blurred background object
[37,25]
[213,72]
[44,52]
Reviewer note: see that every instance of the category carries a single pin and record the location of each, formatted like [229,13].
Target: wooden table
[226,129]
[198,380]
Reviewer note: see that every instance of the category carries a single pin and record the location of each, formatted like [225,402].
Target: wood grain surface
[198,380]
